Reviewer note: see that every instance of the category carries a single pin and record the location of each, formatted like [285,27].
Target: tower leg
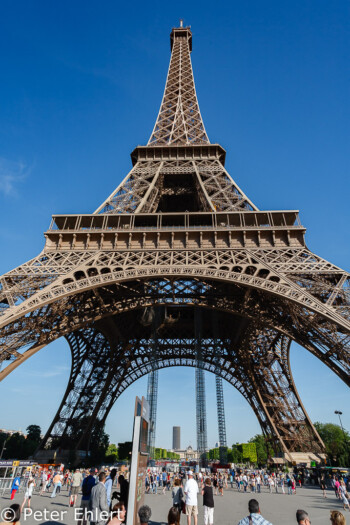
[201,412]
[221,419]
[152,398]
[219,393]
[80,418]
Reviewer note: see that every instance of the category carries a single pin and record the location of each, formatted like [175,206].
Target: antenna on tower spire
[181,22]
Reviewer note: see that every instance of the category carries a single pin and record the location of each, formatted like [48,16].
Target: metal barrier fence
[6,484]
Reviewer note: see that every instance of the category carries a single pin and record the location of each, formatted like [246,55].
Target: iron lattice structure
[179,234]
[220,398]
[201,409]
[221,419]
[201,413]
[152,398]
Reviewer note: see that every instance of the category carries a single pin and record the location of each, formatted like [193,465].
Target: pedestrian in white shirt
[191,490]
[258,483]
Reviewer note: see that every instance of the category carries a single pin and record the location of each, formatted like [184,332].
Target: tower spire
[179,119]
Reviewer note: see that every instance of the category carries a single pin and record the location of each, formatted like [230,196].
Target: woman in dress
[323,486]
[344,495]
[28,493]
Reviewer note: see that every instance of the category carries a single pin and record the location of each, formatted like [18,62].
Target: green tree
[236,454]
[111,453]
[214,454]
[263,448]
[15,447]
[124,450]
[98,446]
[336,441]
[33,433]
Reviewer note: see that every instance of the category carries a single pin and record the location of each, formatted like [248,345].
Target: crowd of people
[99,490]
[105,491]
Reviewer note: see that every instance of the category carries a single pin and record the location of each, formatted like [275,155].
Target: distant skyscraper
[176,438]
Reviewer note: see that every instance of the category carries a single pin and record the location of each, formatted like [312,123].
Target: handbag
[183,507]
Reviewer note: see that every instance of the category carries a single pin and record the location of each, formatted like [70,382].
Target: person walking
[208,502]
[88,483]
[98,501]
[215,484]
[177,495]
[109,485]
[337,487]
[43,482]
[323,486]
[154,484]
[282,484]
[344,495]
[56,480]
[258,483]
[191,490]
[221,485]
[245,482]
[77,478]
[255,517]
[252,483]
[28,493]
[270,483]
[164,481]
[238,482]
[123,494]
[15,486]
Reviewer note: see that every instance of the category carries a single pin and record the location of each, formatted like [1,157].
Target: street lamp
[339,413]
[3,447]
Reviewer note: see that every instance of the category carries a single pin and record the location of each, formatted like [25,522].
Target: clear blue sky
[81,84]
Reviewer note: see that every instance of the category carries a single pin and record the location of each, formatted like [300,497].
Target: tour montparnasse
[178,268]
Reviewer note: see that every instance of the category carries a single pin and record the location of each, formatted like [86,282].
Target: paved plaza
[229,509]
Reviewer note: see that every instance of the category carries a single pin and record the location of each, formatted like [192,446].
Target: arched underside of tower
[112,345]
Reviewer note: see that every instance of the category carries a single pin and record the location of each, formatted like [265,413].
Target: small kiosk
[139,458]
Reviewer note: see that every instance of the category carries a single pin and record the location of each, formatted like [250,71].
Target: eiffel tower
[178,267]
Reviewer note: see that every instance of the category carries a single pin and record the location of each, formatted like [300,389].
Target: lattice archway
[93,388]
[264,328]
[325,338]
